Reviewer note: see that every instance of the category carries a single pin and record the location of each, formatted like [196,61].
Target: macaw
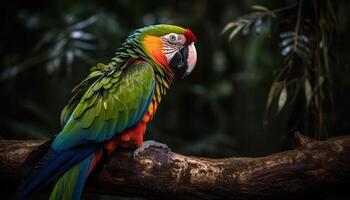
[110,108]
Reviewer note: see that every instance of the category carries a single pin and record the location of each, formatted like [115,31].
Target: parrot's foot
[149,143]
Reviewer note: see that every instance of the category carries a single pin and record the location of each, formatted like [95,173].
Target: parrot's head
[170,46]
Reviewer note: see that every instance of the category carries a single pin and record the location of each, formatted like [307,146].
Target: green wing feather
[115,101]
[80,89]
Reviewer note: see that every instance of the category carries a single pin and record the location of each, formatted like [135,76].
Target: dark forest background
[226,107]
[278,67]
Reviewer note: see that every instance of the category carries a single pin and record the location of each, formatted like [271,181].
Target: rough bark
[312,170]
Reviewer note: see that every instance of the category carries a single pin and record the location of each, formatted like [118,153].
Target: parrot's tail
[68,169]
[71,184]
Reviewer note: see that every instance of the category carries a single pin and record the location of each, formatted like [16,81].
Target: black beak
[180,60]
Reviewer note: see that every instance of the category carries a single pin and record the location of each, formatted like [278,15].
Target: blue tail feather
[50,167]
[71,184]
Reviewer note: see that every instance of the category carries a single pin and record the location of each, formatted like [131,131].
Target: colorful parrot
[110,108]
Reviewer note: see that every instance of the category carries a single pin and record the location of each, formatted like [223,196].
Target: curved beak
[191,59]
[185,58]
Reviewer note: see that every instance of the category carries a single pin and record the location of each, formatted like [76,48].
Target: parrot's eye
[172,38]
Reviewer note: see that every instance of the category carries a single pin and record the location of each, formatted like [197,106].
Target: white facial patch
[172,43]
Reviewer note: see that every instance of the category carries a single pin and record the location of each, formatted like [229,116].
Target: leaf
[228,27]
[308,92]
[273,90]
[258,25]
[260,7]
[235,31]
[69,57]
[282,98]
[303,38]
[286,41]
[246,28]
[320,81]
[84,23]
[286,50]
[287,34]
[81,35]
[263,8]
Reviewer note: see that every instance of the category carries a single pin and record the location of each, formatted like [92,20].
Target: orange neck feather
[154,46]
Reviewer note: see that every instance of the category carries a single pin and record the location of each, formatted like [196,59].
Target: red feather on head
[190,37]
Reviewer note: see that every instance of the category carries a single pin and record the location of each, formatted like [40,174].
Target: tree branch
[314,169]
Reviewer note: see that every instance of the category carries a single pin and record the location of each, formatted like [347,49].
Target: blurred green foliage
[306,30]
[47,47]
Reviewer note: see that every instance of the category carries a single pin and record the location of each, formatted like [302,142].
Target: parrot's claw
[149,143]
